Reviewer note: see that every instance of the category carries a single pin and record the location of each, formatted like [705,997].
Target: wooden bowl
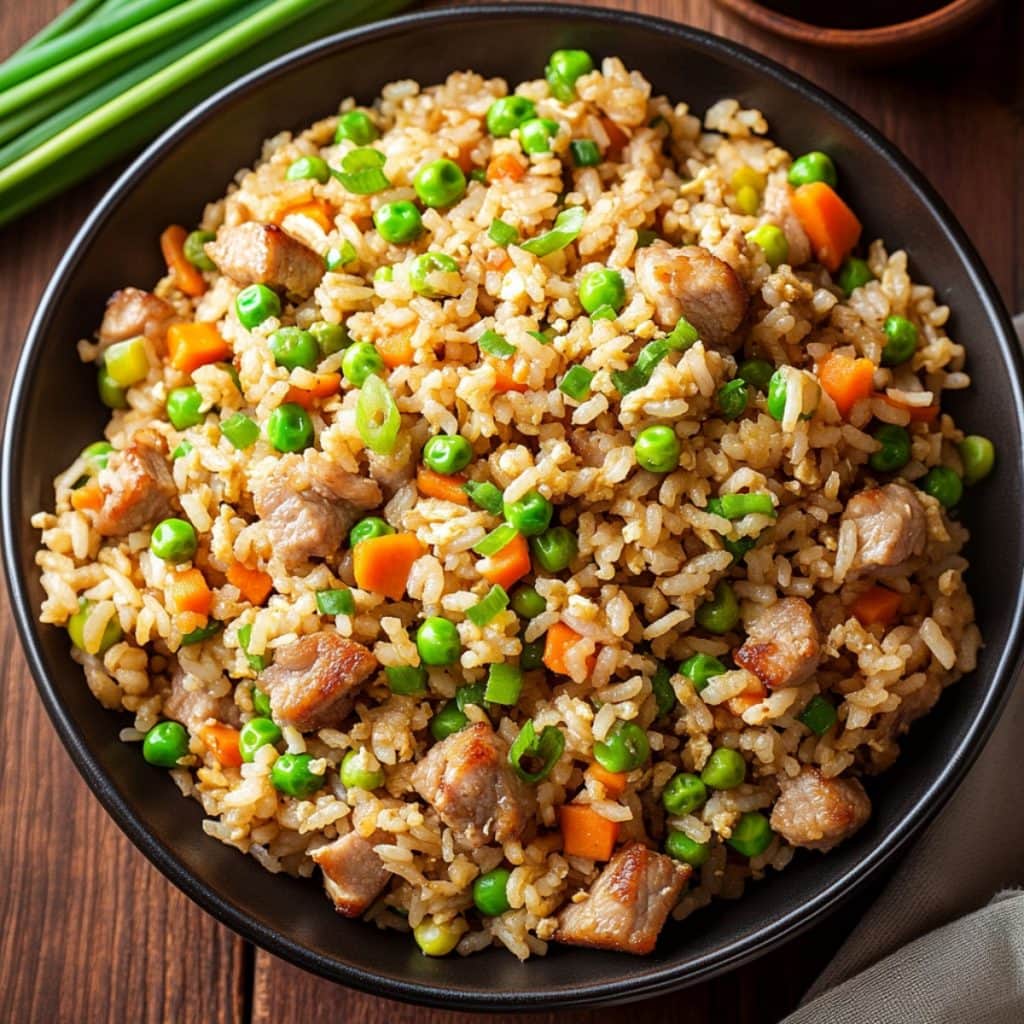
[884,42]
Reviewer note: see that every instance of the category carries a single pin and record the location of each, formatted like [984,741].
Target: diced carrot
[396,349]
[186,277]
[753,694]
[617,138]
[846,380]
[830,224]
[557,641]
[189,592]
[918,413]
[505,167]
[318,210]
[197,344]
[504,380]
[437,485]
[325,385]
[613,782]
[87,496]
[509,564]
[188,622]
[465,157]
[585,833]
[382,564]
[222,742]
[253,584]
[877,606]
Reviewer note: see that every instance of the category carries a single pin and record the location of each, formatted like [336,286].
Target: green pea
[112,632]
[943,484]
[603,287]
[506,114]
[355,776]
[732,399]
[777,390]
[722,612]
[356,126]
[657,449]
[360,362]
[330,338]
[255,304]
[532,655]
[447,453]
[814,166]
[554,549]
[585,152]
[174,540]
[256,733]
[772,241]
[126,362]
[902,340]
[97,455]
[564,67]
[436,938]
[399,222]
[679,846]
[293,776]
[449,719]
[195,249]
[530,515]
[424,272]
[752,834]
[854,274]
[625,749]
[183,407]
[112,395]
[437,641]
[725,769]
[699,668]
[978,455]
[756,372]
[289,428]
[684,794]
[439,183]
[526,602]
[895,451]
[371,526]
[165,744]
[490,892]
[293,347]
[260,702]
[308,167]
[536,134]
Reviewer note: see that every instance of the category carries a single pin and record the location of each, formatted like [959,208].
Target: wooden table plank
[92,932]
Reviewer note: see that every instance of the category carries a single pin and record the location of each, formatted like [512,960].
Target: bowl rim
[656,979]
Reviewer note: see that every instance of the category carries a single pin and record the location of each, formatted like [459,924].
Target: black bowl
[53,412]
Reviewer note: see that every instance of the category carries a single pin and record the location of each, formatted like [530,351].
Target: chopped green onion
[478,174]
[126,362]
[377,418]
[339,256]
[197,636]
[504,684]
[819,716]
[604,313]
[528,746]
[736,506]
[738,548]
[184,447]
[362,171]
[485,494]
[664,695]
[495,540]
[502,234]
[638,375]
[495,601]
[240,430]
[568,224]
[532,655]
[465,695]
[406,679]
[494,344]
[585,152]
[645,236]
[682,336]
[544,337]
[576,382]
[335,602]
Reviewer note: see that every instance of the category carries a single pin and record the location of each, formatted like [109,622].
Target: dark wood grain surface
[91,932]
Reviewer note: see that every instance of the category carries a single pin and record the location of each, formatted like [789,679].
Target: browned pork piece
[467,779]
[819,813]
[196,707]
[314,680]
[308,505]
[255,253]
[353,873]
[627,904]
[131,312]
[694,283]
[890,523]
[137,486]
[783,645]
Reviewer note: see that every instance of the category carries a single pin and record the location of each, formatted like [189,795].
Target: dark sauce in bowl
[854,14]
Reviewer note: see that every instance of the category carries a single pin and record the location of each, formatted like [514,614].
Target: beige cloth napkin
[944,943]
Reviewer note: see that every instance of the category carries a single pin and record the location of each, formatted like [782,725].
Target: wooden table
[91,932]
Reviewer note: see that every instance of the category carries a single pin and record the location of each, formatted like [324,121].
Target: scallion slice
[495,344]
[484,494]
[495,540]
[406,679]
[567,227]
[495,601]
[335,602]
[197,636]
[530,748]
[502,234]
[504,684]
[576,382]
[377,418]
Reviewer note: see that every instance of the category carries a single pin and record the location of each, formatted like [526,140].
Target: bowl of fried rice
[522,481]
